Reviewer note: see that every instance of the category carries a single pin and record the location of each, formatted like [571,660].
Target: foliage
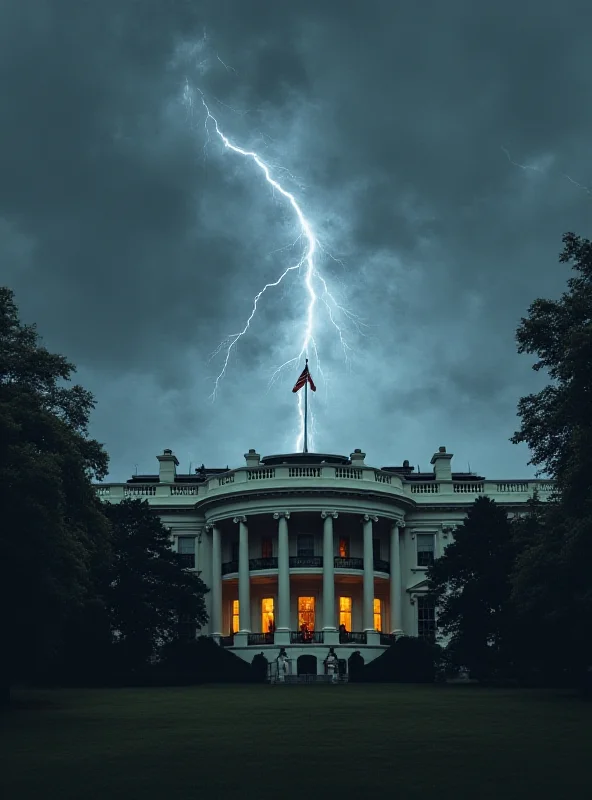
[355,667]
[200,660]
[551,580]
[53,526]
[145,587]
[408,660]
[470,584]
[259,666]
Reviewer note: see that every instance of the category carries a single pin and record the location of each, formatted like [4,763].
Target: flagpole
[306,412]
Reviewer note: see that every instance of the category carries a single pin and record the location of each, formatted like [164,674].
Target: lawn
[217,742]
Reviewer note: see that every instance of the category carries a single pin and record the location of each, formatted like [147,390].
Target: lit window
[425,549]
[305,545]
[345,612]
[235,617]
[266,548]
[344,547]
[267,615]
[377,614]
[426,618]
[306,612]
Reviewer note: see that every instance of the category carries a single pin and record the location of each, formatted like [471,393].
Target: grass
[217,742]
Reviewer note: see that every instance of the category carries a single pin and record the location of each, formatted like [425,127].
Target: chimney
[357,458]
[167,466]
[442,466]
[252,458]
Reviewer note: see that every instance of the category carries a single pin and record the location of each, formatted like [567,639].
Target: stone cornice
[230,498]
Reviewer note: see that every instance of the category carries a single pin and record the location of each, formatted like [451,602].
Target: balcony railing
[348,563]
[311,637]
[387,638]
[260,638]
[302,562]
[226,641]
[352,637]
[263,563]
[296,562]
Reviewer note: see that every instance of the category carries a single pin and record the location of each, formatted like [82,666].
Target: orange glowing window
[235,617]
[267,615]
[377,614]
[345,612]
[344,547]
[306,612]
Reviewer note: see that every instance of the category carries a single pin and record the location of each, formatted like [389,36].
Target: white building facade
[305,552]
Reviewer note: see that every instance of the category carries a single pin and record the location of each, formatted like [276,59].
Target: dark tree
[53,527]
[147,590]
[552,579]
[471,586]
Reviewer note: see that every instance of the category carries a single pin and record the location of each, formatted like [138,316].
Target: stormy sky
[137,242]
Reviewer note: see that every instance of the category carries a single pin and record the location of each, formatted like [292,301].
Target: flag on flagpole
[304,377]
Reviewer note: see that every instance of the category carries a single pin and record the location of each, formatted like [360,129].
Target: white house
[308,551]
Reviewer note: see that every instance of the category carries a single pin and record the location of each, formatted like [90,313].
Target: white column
[283,616]
[328,571]
[216,607]
[244,589]
[368,604]
[395,587]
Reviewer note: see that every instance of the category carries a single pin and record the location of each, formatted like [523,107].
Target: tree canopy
[53,524]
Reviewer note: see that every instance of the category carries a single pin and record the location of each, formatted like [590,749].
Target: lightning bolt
[536,168]
[316,286]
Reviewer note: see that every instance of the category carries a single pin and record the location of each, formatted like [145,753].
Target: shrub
[408,660]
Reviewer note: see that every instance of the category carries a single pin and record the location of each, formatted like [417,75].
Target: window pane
[266,548]
[426,618]
[186,544]
[344,547]
[267,615]
[345,612]
[306,612]
[425,549]
[376,548]
[305,545]
[377,614]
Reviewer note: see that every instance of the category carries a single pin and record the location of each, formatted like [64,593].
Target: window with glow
[345,612]
[266,548]
[425,549]
[235,617]
[344,547]
[306,612]
[426,618]
[377,614]
[267,615]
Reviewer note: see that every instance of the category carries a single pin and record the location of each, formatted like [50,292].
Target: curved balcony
[306,562]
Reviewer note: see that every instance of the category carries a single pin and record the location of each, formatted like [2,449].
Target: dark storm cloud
[136,250]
